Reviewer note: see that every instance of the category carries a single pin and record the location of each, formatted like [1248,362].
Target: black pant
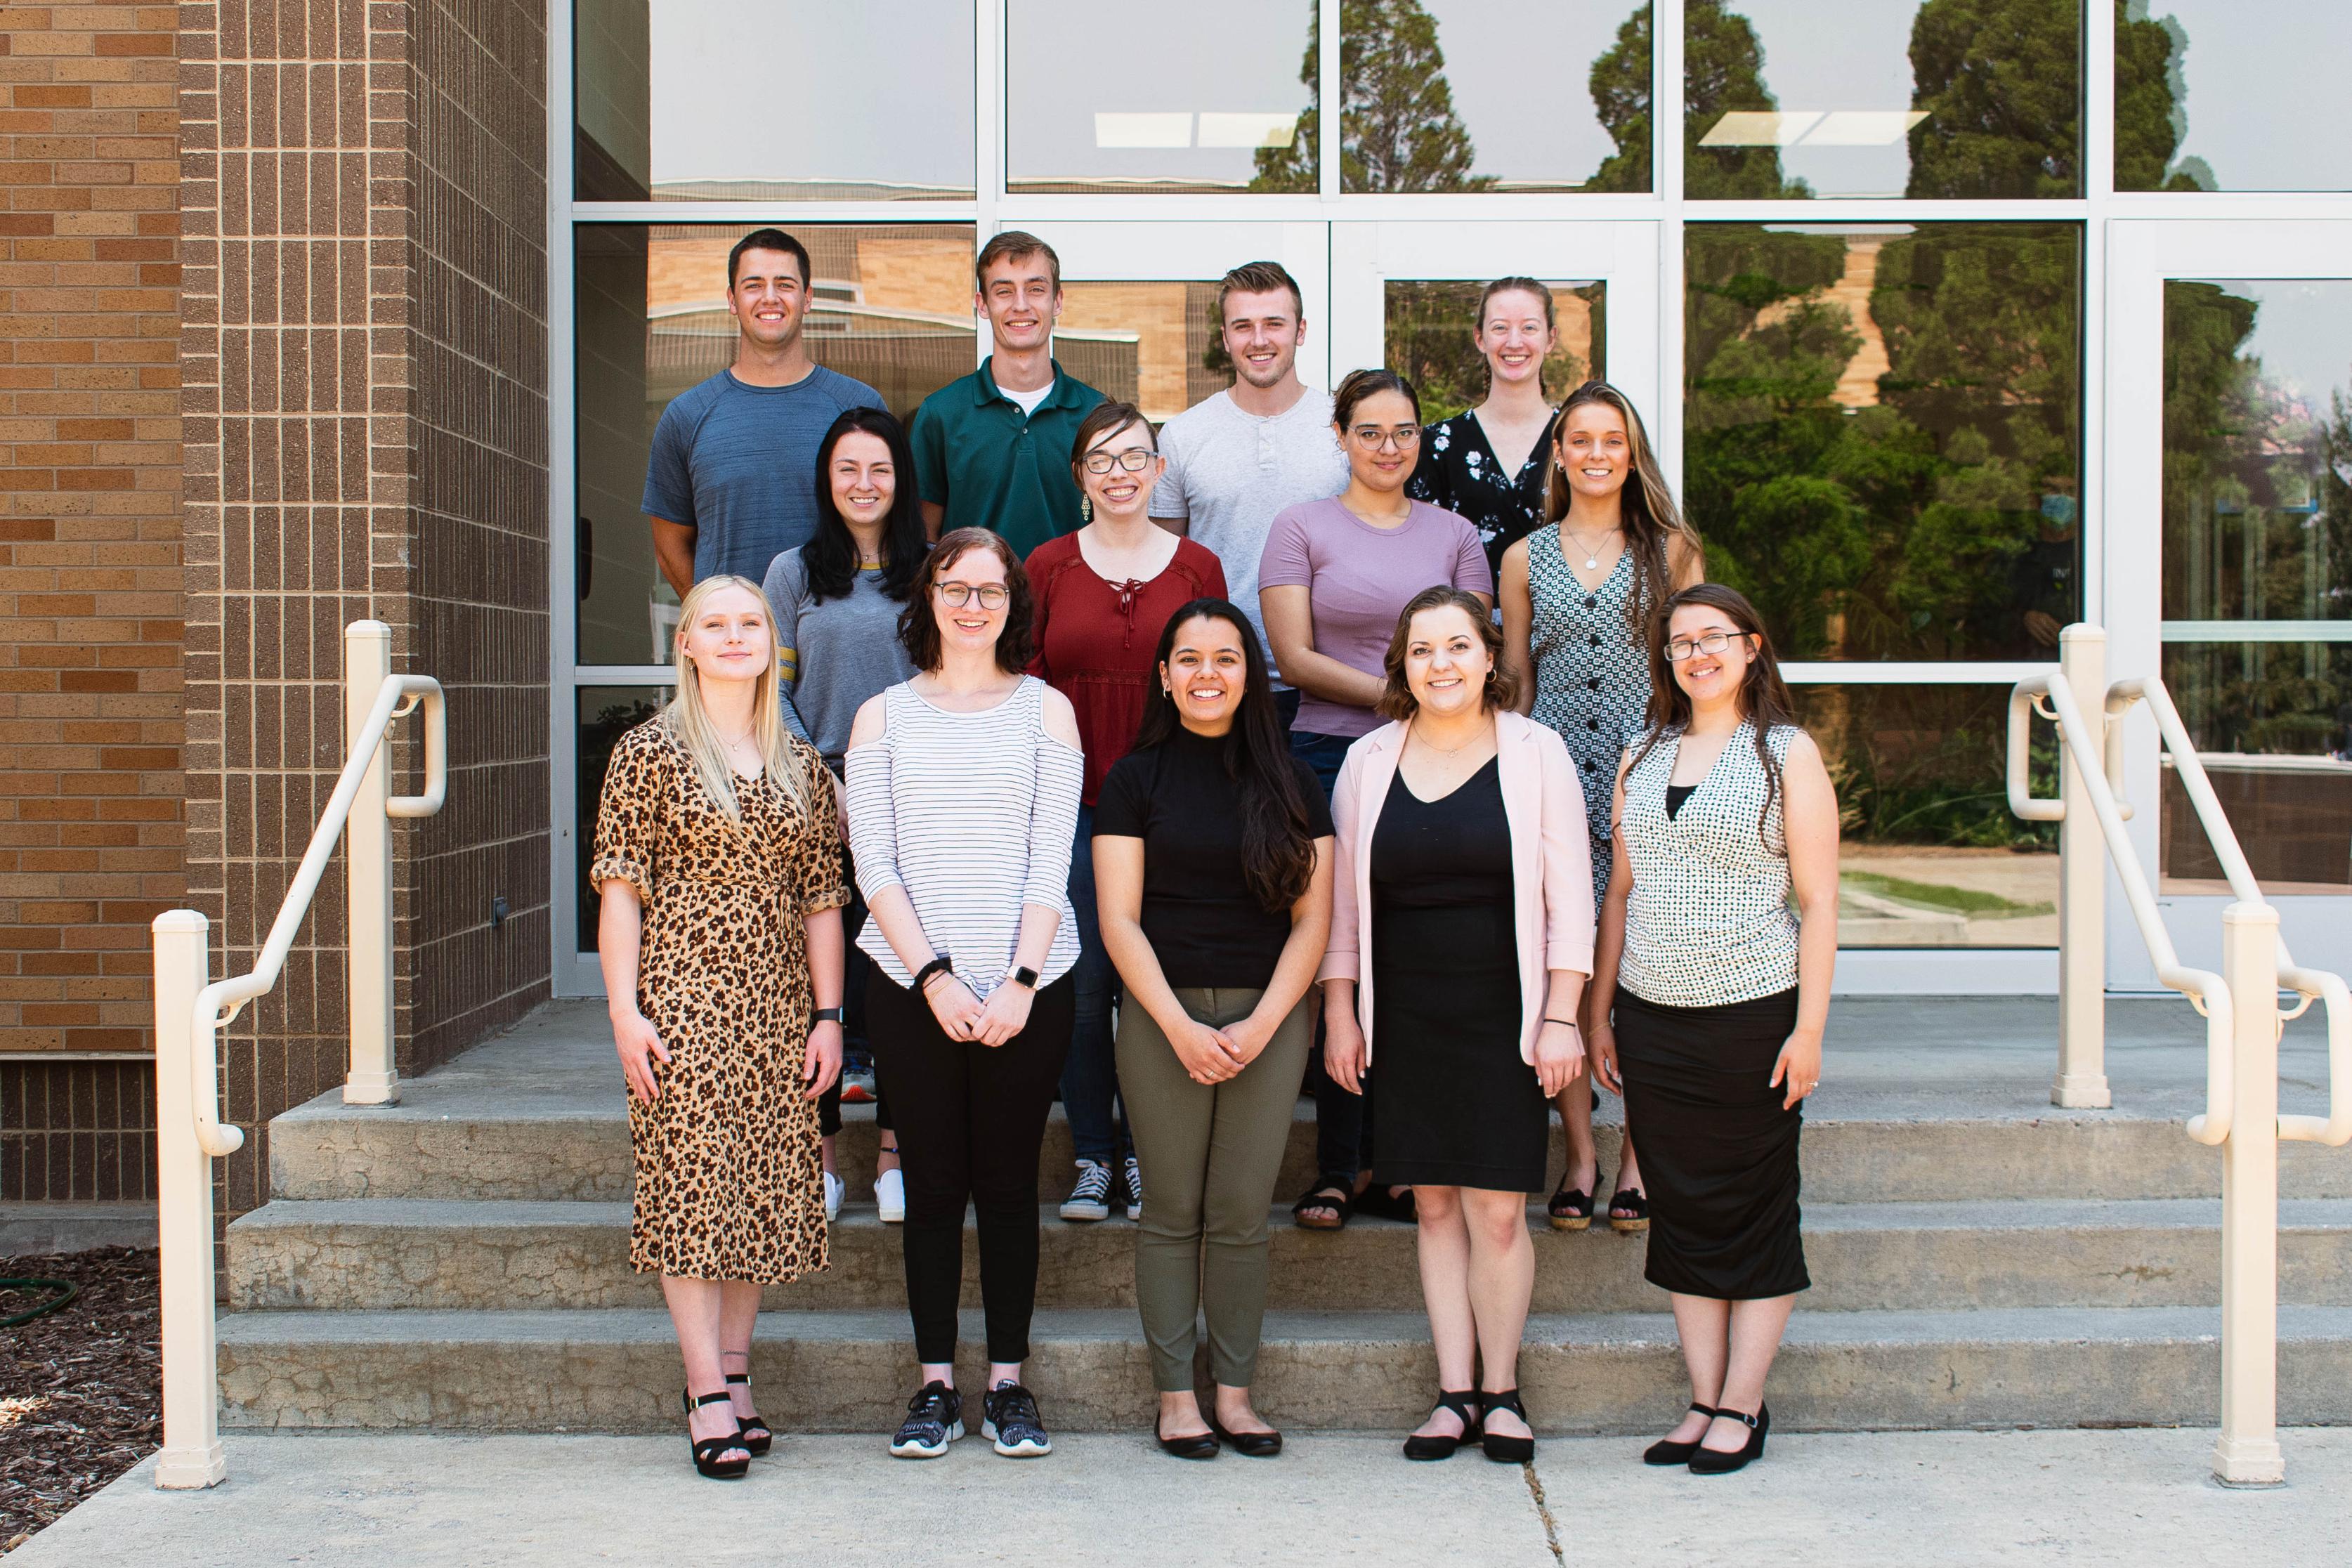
[971,1119]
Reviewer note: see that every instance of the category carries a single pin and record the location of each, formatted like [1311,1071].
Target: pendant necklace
[1591,556]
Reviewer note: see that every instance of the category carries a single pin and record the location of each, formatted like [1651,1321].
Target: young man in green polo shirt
[992,449]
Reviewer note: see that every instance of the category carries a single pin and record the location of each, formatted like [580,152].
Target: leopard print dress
[729,1183]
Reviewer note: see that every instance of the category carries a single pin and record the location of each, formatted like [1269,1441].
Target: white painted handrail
[2093,758]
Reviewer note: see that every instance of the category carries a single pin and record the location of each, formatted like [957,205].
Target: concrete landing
[1830,1501]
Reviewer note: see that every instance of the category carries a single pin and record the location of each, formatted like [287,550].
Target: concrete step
[617,1371]
[380,1254]
[489,1151]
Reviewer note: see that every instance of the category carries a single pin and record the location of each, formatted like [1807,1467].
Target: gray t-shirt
[738,465]
[845,650]
[1232,472]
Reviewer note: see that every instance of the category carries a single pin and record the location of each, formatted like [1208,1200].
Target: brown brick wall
[365,347]
[83,1131]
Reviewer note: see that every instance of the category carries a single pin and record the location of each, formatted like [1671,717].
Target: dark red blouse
[1095,640]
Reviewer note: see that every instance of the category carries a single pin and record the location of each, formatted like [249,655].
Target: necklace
[739,741]
[1592,553]
[1429,744]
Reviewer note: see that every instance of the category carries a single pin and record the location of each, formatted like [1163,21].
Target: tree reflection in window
[1882,433]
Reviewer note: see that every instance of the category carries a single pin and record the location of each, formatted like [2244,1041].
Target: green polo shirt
[994,466]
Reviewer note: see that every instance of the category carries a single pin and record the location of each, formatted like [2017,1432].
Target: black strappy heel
[757,1436]
[1667,1452]
[1460,1402]
[1501,1449]
[706,1451]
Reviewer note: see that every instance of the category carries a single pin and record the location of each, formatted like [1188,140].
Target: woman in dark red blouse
[1103,597]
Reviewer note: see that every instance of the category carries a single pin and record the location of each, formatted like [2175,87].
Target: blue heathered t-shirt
[738,465]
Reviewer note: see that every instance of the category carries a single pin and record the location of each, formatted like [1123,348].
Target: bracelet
[939,964]
[1563,1023]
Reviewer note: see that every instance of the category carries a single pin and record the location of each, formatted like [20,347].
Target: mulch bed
[82,1397]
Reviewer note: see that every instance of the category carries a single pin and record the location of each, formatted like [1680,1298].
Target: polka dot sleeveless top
[1707,922]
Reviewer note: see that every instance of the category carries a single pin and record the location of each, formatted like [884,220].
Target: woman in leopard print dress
[719,860]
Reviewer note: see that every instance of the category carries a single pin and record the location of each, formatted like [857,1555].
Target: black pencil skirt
[1718,1153]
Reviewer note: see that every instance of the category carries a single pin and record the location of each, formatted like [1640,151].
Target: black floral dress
[1459,471]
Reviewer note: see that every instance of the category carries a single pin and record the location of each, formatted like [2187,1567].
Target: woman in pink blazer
[1463,914]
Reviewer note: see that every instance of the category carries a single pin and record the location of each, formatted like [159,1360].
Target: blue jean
[1091,1076]
[1343,1128]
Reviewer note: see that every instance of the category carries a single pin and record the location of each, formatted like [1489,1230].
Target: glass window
[2209,96]
[1128,95]
[1881,434]
[1930,856]
[1428,338]
[1900,98]
[1437,96]
[771,100]
[1155,345]
[2258,570]
[892,308]
[605,714]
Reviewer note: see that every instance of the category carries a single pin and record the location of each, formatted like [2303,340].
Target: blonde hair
[691,721]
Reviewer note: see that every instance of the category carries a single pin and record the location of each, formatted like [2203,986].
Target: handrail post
[190,1457]
[2082,1080]
[2247,1453]
[367,854]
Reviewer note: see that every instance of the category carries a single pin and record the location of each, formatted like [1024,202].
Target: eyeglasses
[1372,438]
[1135,459]
[991,595]
[1681,648]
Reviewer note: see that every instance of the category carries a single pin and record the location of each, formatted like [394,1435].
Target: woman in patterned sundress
[1489,463]
[1576,597]
[719,861]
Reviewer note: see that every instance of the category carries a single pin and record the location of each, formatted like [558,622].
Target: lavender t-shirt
[1359,579]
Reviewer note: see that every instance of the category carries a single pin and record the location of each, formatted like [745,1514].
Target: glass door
[2230,451]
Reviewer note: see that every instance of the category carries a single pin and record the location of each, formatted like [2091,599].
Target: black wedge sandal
[1461,1402]
[1501,1449]
[1570,1207]
[707,1450]
[1667,1452]
[757,1437]
[1637,1219]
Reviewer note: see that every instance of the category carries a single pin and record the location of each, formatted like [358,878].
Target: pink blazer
[1551,861]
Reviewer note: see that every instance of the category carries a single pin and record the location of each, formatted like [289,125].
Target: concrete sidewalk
[407,1501]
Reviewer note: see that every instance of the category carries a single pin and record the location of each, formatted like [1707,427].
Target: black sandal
[706,1451]
[1442,1447]
[1636,1200]
[1381,1204]
[1321,1196]
[756,1435]
[1501,1449]
[1570,1207]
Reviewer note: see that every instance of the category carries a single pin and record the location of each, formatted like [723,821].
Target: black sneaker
[934,1419]
[1010,1419]
[1089,1197]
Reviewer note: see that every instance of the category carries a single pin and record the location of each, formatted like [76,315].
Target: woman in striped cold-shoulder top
[964,799]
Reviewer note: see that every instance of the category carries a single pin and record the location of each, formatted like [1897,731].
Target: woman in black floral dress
[1489,463]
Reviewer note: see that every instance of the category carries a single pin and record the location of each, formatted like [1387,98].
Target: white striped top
[1708,920]
[973,813]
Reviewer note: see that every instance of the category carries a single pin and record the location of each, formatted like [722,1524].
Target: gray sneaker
[1091,1198]
[934,1419]
[1012,1422]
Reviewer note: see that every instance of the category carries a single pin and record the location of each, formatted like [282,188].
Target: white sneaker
[1089,1199]
[1134,1189]
[833,1190]
[890,1197]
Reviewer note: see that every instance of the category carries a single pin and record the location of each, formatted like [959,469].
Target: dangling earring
[1086,508]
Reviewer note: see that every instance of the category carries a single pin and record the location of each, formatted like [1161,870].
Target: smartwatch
[1022,974]
[830,1015]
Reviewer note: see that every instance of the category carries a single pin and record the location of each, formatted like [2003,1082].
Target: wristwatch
[830,1015]
[1023,975]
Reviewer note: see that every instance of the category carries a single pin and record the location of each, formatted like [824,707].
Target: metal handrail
[2099,767]
[219,1003]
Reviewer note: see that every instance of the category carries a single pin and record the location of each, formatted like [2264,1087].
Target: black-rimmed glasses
[1135,459]
[991,595]
[1681,648]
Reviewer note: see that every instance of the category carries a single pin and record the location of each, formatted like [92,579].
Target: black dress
[1454,1105]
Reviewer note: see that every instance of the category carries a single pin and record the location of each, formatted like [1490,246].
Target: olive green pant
[1210,1154]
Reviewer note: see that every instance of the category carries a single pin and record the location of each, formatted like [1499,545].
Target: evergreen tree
[2000,80]
[2149,118]
[1620,99]
[1398,130]
[1723,71]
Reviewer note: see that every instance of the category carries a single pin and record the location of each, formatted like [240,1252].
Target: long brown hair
[1763,697]
[1646,510]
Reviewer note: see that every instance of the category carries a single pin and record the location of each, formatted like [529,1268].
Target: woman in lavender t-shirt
[1334,577]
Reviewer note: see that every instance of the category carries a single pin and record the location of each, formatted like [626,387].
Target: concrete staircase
[461,1261]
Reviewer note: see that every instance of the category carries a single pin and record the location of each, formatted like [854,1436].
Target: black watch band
[941,965]
[830,1015]
[1022,974]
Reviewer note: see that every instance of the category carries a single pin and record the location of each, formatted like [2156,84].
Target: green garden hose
[67,1290]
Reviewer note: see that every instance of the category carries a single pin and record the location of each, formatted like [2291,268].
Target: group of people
[1165,772]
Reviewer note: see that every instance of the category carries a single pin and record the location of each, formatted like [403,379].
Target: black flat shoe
[1195,1446]
[706,1451]
[1716,1462]
[1249,1445]
[1501,1449]
[1441,1448]
[1663,1452]
[757,1437]
[1381,1203]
